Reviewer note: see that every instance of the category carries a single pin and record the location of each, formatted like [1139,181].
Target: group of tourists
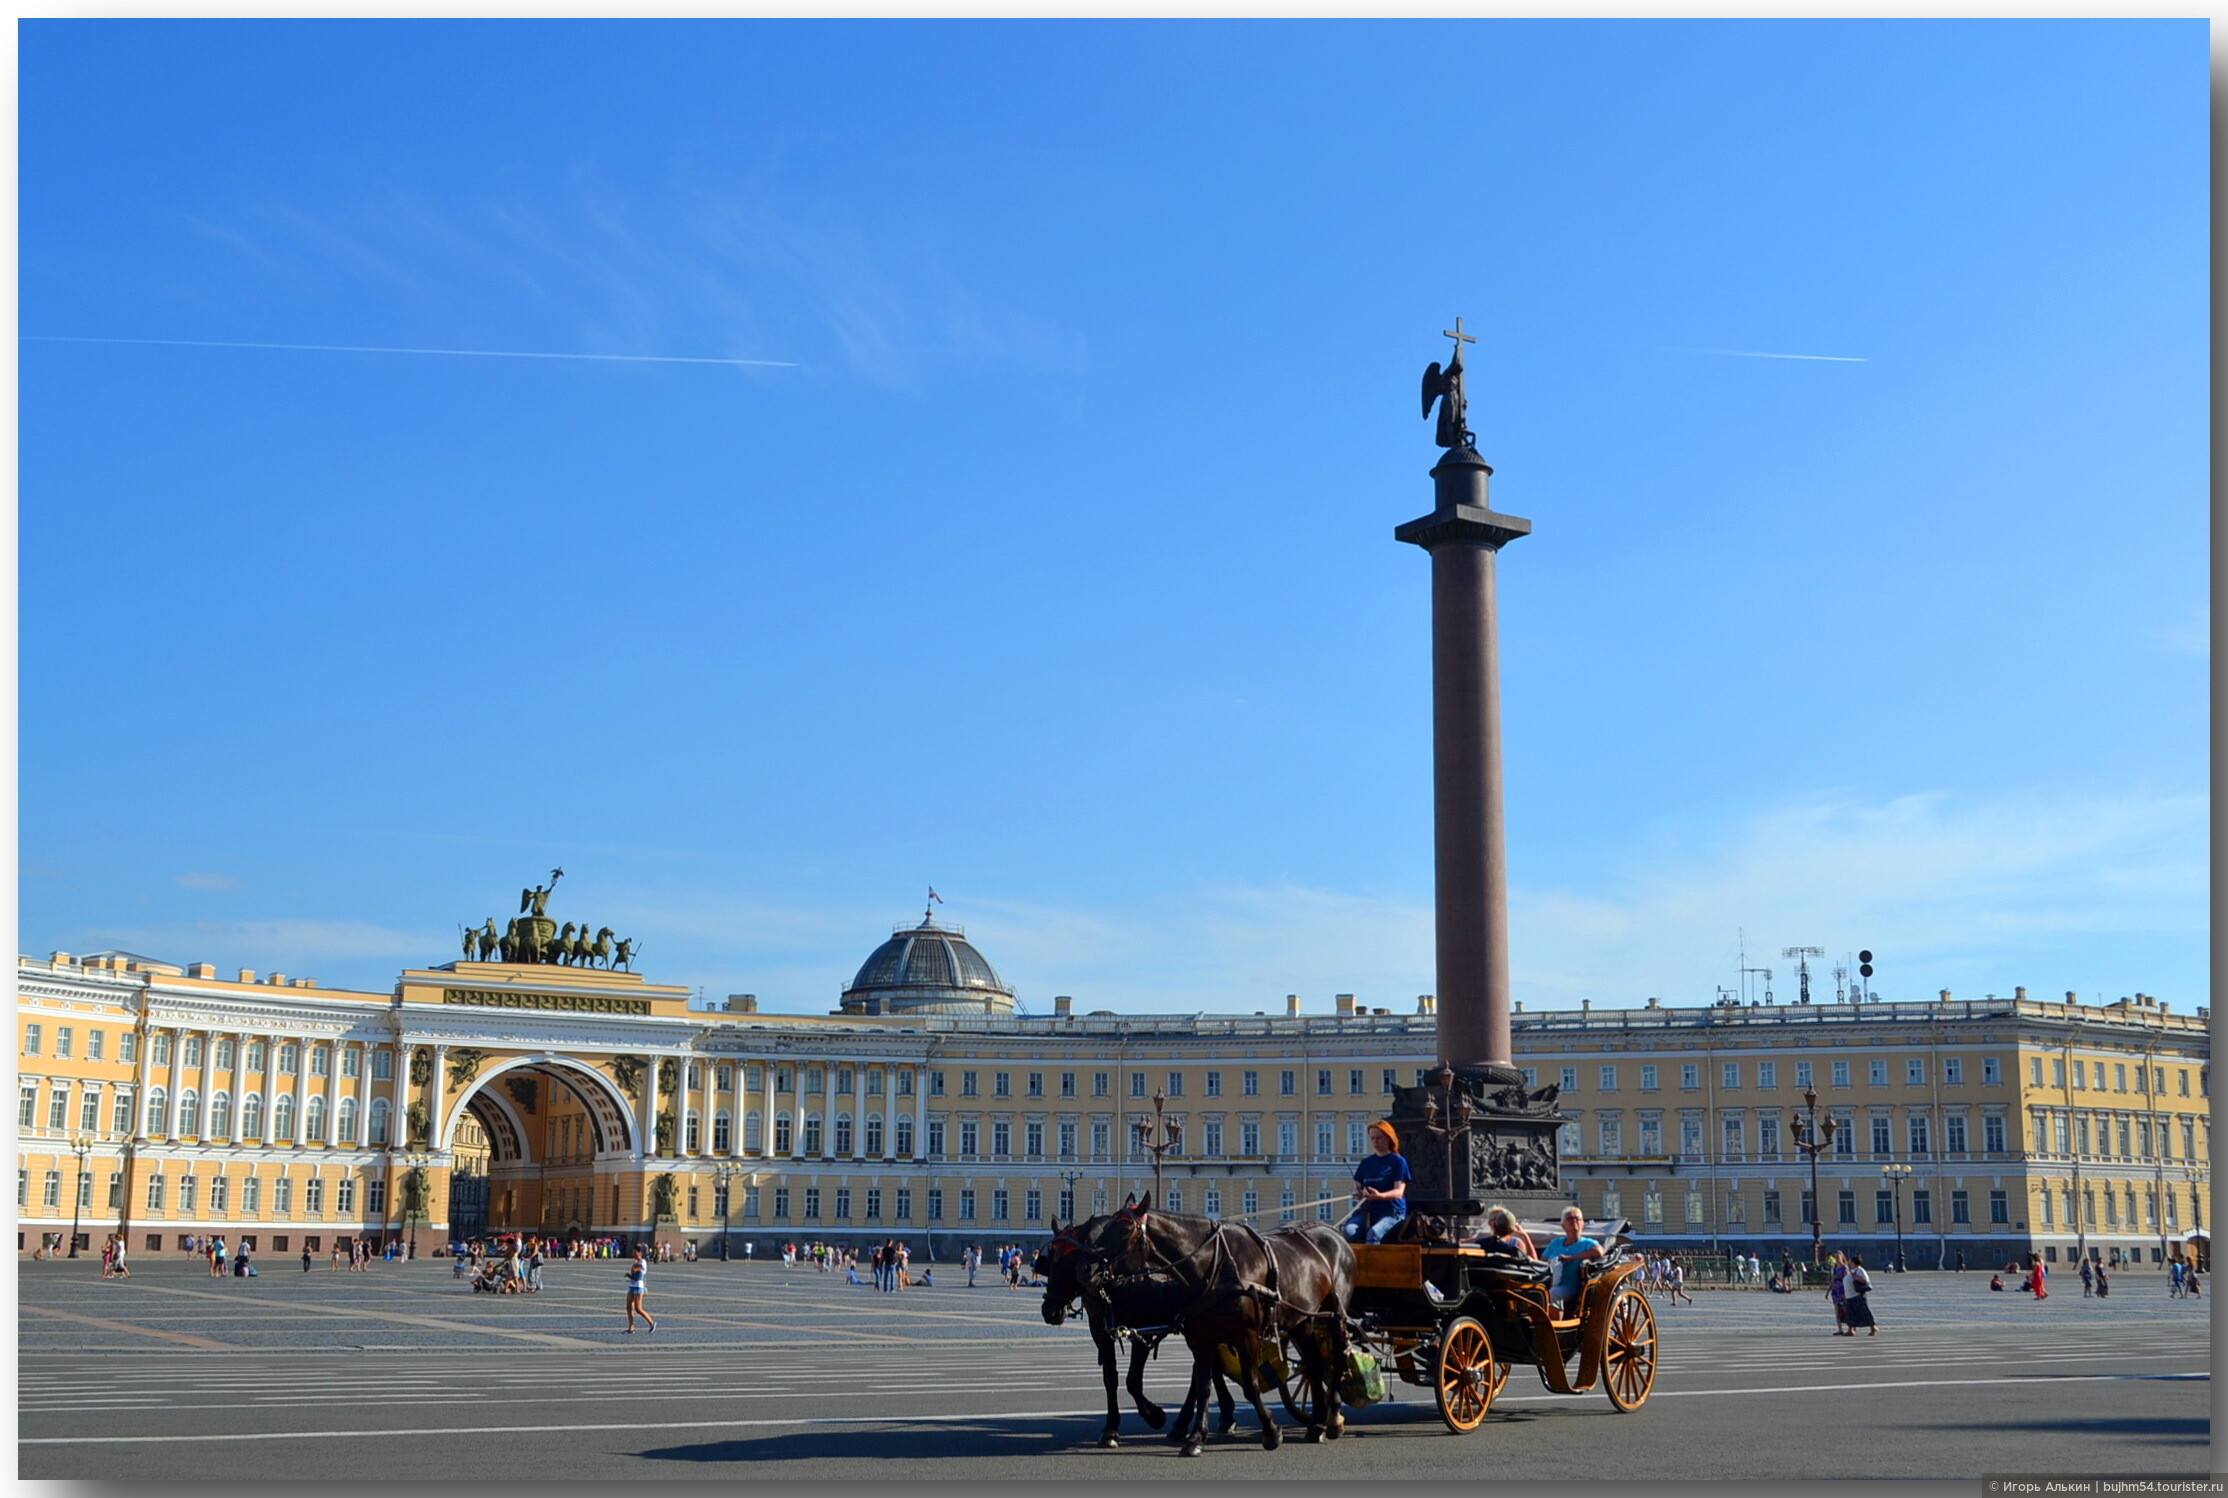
[1851,1294]
[892,1265]
[113,1266]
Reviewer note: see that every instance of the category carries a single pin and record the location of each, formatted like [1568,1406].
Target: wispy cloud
[277,943]
[1746,353]
[343,348]
[207,881]
[2192,636]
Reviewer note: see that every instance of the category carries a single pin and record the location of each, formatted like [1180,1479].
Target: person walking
[2088,1279]
[534,1267]
[904,1263]
[2174,1280]
[1675,1282]
[1857,1296]
[2035,1278]
[971,1259]
[2103,1283]
[1838,1293]
[636,1275]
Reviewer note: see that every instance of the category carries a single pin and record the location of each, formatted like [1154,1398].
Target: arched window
[315,1132]
[843,1134]
[379,1111]
[874,1134]
[282,1117]
[815,1136]
[251,1115]
[220,1115]
[158,1111]
[693,1132]
[347,1120]
[723,1133]
[781,1126]
[754,1137]
[189,1114]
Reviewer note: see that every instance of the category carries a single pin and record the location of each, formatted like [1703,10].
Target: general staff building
[159,1099]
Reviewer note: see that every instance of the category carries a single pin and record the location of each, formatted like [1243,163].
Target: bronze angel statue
[1444,388]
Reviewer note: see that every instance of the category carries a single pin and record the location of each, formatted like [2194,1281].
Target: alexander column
[1463,536]
[1476,1133]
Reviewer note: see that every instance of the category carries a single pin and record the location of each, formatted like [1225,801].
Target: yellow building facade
[161,1100]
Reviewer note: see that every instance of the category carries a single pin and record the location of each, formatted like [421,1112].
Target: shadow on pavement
[2164,1430]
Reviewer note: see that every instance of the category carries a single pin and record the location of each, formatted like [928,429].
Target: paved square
[756,1371]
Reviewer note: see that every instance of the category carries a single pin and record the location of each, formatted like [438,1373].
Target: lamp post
[1895,1175]
[1813,1137]
[723,1176]
[1160,1138]
[80,1145]
[413,1192]
[1068,1178]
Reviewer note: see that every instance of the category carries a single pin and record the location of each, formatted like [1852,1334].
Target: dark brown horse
[1074,1267]
[1246,1291]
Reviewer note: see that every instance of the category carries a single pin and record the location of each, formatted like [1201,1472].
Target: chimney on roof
[276,980]
[1945,996]
[202,970]
[1344,1003]
[1586,1005]
[742,1003]
[62,959]
[2019,994]
[247,975]
[1426,1004]
[304,983]
[1063,1006]
[1291,1003]
[2071,997]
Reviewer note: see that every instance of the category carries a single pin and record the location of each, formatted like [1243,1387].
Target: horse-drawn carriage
[1286,1312]
[1454,1317]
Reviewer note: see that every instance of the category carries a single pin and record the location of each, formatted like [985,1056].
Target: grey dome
[927,969]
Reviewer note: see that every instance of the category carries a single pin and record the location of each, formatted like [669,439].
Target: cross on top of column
[1459,337]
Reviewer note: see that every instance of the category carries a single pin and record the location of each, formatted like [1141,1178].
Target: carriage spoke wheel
[1464,1375]
[1629,1359]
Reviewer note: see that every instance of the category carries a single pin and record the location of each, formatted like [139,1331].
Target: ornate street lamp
[80,1145]
[723,1177]
[1160,1138]
[1814,1136]
[1895,1176]
[414,1188]
[1068,1178]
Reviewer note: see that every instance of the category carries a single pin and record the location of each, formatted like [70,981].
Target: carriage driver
[1380,1185]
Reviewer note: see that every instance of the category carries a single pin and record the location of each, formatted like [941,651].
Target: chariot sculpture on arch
[532,937]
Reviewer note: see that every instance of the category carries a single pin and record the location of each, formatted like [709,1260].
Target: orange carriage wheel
[1464,1375]
[1629,1358]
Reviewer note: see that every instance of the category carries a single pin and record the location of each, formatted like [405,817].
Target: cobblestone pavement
[764,1372]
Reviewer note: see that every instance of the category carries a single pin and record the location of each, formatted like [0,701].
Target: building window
[1354,1081]
[1846,1208]
[1003,1083]
[347,1120]
[1651,1207]
[1322,1083]
[1647,1079]
[1175,1084]
[1844,1135]
[1036,1084]
[784,1132]
[1326,1139]
[1729,1075]
[1690,1138]
[843,1203]
[1992,1134]
[970,1138]
[120,1116]
[1067,1142]
[1767,1135]
[1391,1082]
[1733,1139]
[692,1133]
[1953,1070]
[1920,1144]
[351,1061]
[1612,1137]
[32,1039]
[1288,1083]
[873,1204]
[313,1195]
[27,1105]
[1841,1074]
[905,1136]
[1999,1208]
[1034,1141]
[1922,1205]
[344,1195]
[1803,1075]
[320,1061]
[1695,1215]
[1953,1133]
[781,1203]
[52,1196]
[816,1079]
[1067,1084]
[1771,1207]
[1001,1139]
[935,1204]
[1288,1139]
[289,1059]
[158,1111]
[1249,1138]
[383,1064]
[220,1116]
[1882,1142]
[58,1110]
[1608,1079]
[1961,1207]
[815,1135]
[968,1086]
[843,1133]
[904,1204]
[154,1193]
[1136,1084]
[375,1196]
[115,1190]
[1101,1137]
[65,1040]
[1032,1205]
[314,1129]
[1102,1084]
[812,1203]
[967,1204]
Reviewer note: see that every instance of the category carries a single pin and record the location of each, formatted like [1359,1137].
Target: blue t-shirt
[1566,1257]
[1382,1173]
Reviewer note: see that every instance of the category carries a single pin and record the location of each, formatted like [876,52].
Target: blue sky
[1053,564]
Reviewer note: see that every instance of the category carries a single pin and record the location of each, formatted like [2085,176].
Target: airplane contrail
[1743,353]
[342,348]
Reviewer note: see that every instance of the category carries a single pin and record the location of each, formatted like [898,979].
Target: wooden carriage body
[1455,1317]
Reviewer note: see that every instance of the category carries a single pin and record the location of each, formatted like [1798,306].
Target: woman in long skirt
[2035,1277]
[1838,1294]
[1856,1302]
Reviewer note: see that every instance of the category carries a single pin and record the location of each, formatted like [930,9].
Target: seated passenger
[1567,1253]
[1381,1187]
[1502,1233]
